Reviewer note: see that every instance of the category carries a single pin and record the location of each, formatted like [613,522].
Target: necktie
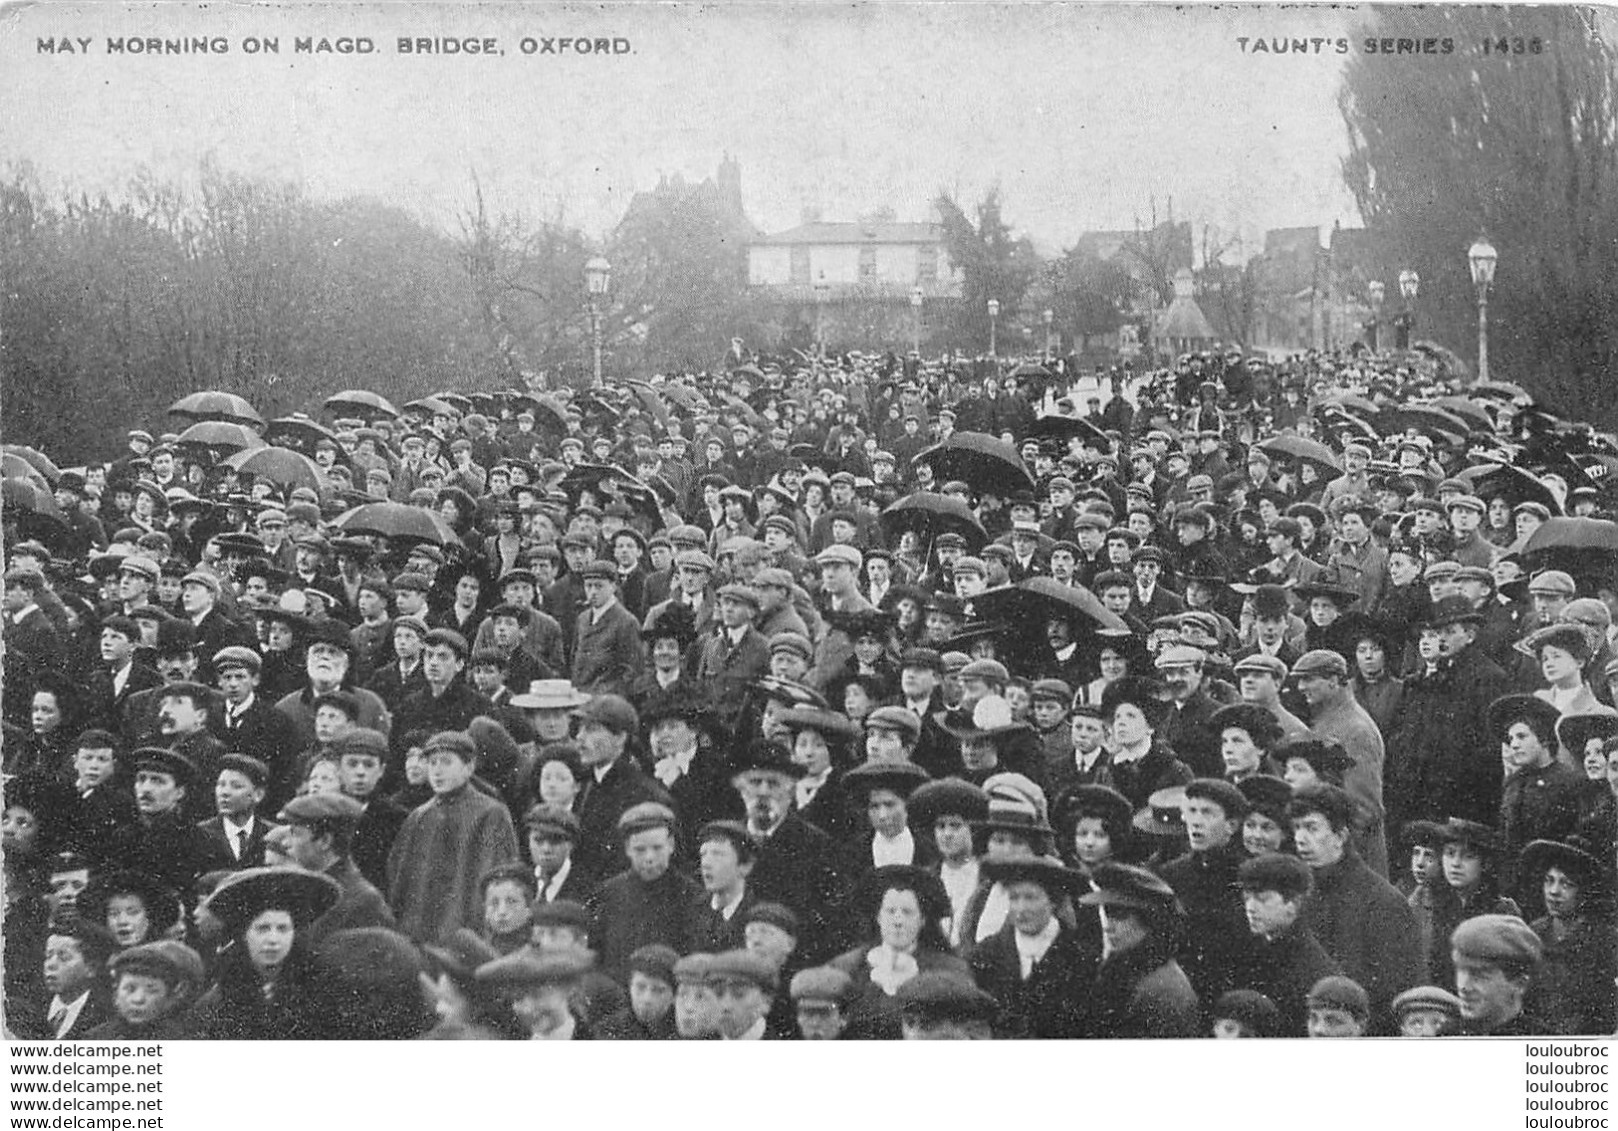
[239,837]
[56,1016]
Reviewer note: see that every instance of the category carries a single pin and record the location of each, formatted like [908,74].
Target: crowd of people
[854,697]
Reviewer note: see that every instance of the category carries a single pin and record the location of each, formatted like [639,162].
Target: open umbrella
[1035,600]
[1301,448]
[548,411]
[746,411]
[1582,547]
[31,509]
[281,466]
[608,482]
[1511,482]
[1500,391]
[930,514]
[15,467]
[1353,402]
[217,406]
[748,370]
[36,459]
[297,432]
[361,402]
[651,401]
[1469,411]
[1422,418]
[683,395]
[432,406]
[985,462]
[397,521]
[1064,428]
[221,435]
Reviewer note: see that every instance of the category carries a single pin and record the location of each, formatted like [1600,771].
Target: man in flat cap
[736,654]
[321,828]
[821,996]
[1205,880]
[940,1005]
[250,725]
[447,844]
[1335,715]
[449,701]
[164,843]
[1496,958]
[613,783]
[608,652]
[650,901]
[236,834]
[745,986]
[539,989]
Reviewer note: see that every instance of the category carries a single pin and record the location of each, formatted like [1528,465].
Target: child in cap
[1245,1013]
[649,1015]
[1427,1011]
[76,954]
[1425,878]
[508,892]
[820,997]
[1338,1007]
[153,985]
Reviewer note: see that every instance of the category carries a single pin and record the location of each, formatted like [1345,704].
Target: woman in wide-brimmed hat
[823,743]
[1140,990]
[268,985]
[1471,854]
[902,913]
[1572,991]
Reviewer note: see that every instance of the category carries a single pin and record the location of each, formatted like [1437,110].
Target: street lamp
[1050,315]
[1378,292]
[1409,284]
[597,275]
[994,314]
[822,291]
[915,318]
[1482,256]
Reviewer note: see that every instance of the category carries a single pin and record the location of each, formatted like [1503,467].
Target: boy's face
[92,766]
[415,766]
[331,723]
[67,974]
[1334,1023]
[953,836]
[65,888]
[886,811]
[506,907]
[741,1004]
[548,852]
[649,853]
[1048,713]
[696,1010]
[719,866]
[543,1010]
[234,794]
[142,998]
[1088,732]
[650,998]
[360,774]
[1423,1023]
[769,942]
[820,1021]
[447,771]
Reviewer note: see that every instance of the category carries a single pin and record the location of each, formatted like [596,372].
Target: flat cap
[317,808]
[940,995]
[155,759]
[1222,793]
[1337,992]
[840,554]
[1180,655]
[1552,582]
[1427,997]
[234,657]
[777,915]
[745,594]
[172,962]
[1258,662]
[990,671]
[893,718]
[655,960]
[693,559]
[611,711]
[1320,661]
[821,984]
[795,642]
[553,820]
[645,815]
[248,766]
[524,969]
[742,966]
[1278,872]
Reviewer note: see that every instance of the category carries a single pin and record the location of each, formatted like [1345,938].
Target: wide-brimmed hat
[829,723]
[1009,817]
[1474,834]
[1570,638]
[1054,877]
[550,695]
[1454,609]
[1574,732]
[946,797]
[161,903]
[1541,715]
[302,894]
[790,691]
[902,778]
[1573,856]
[991,718]
[1126,885]
[928,887]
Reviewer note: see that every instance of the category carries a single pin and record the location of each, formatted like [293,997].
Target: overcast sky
[1081,114]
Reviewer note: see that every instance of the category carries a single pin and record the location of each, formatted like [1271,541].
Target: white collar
[755,1032]
[899,849]
[1122,756]
[70,1010]
[1066,654]
[728,908]
[1032,948]
[601,772]
[550,887]
[242,708]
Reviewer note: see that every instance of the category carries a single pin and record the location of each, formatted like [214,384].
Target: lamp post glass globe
[597,276]
[1482,257]
[1409,284]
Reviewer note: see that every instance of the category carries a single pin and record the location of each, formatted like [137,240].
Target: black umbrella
[1422,418]
[1469,411]
[930,514]
[221,435]
[36,459]
[217,406]
[1289,445]
[651,401]
[32,511]
[361,402]
[298,432]
[609,482]
[1353,402]
[1512,483]
[432,406]
[1500,390]
[984,462]
[397,520]
[1582,547]
[1033,601]
[15,467]
[281,466]
[1064,428]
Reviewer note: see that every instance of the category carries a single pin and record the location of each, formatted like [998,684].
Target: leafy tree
[1519,141]
[1088,295]
[994,263]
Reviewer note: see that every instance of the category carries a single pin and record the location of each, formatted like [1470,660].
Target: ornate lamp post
[1409,284]
[597,276]
[1049,316]
[1482,257]
[915,318]
[1378,292]
[994,316]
